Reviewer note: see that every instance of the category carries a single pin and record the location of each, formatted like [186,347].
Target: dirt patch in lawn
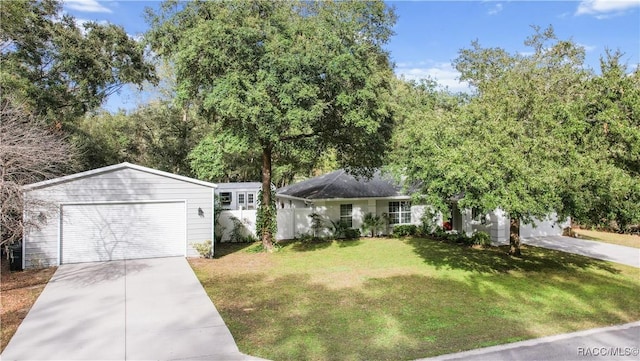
[18,292]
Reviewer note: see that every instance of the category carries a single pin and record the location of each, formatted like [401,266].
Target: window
[477,215]
[399,212]
[251,202]
[240,199]
[346,214]
[225,199]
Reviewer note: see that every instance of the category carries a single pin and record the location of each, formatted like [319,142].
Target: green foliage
[373,224]
[204,248]
[405,230]
[536,137]
[239,233]
[217,211]
[222,156]
[341,230]
[481,238]
[295,78]
[59,69]
[428,222]
[157,135]
[351,233]
[317,224]
[266,216]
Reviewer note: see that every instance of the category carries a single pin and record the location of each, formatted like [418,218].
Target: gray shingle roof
[340,184]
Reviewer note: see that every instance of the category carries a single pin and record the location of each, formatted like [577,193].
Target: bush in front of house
[203,248]
[481,239]
[341,230]
[405,230]
[351,233]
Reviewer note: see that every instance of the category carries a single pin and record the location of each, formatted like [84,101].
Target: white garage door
[116,231]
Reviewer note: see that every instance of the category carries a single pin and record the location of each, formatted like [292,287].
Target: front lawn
[628,240]
[395,299]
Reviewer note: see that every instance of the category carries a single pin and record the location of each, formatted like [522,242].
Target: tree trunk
[514,237]
[267,237]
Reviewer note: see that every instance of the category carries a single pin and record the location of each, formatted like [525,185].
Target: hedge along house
[123,211]
[339,196]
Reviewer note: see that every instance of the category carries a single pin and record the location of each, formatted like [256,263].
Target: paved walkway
[609,343]
[609,252]
[137,309]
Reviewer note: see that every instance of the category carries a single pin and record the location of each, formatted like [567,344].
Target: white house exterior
[496,224]
[123,211]
[239,195]
[339,196]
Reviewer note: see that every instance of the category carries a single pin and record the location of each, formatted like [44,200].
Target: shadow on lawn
[402,317]
[315,245]
[394,318]
[496,259]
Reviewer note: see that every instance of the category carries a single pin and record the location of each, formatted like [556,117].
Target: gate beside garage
[119,212]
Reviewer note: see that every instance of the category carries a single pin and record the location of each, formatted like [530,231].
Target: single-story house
[122,211]
[339,196]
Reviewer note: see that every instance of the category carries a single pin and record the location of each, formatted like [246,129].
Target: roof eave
[124,165]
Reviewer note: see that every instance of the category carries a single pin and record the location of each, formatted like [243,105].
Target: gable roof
[112,168]
[340,184]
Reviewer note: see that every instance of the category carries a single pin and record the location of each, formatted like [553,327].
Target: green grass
[392,299]
[609,237]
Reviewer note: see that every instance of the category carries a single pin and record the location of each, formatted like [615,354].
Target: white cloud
[603,9]
[495,9]
[443,73]
[587,48]
[87,6]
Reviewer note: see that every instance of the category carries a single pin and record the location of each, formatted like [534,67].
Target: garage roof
[111,168]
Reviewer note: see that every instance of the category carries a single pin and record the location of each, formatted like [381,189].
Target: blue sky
[429,34]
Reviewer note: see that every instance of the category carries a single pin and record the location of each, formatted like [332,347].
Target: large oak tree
[285,75]
[59,68]
[541,134]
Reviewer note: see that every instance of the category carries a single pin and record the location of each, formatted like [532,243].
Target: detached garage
[119,212]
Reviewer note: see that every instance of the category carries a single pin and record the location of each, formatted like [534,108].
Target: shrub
[405,230]
[373,223]
[440,233]
[428,223]
[351,233]
[339,229]
[464,239]
[203,248]
[316,224]
[481,239]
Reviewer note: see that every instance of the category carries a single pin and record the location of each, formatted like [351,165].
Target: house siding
[41,246]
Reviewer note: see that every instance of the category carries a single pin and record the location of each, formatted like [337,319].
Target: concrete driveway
[119,310]
[599,250]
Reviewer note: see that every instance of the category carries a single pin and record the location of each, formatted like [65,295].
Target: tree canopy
[285,75]
[59,68]
[536,137]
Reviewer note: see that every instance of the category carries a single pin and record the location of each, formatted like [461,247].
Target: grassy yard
[609,237]
[18,292]
[393,299]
